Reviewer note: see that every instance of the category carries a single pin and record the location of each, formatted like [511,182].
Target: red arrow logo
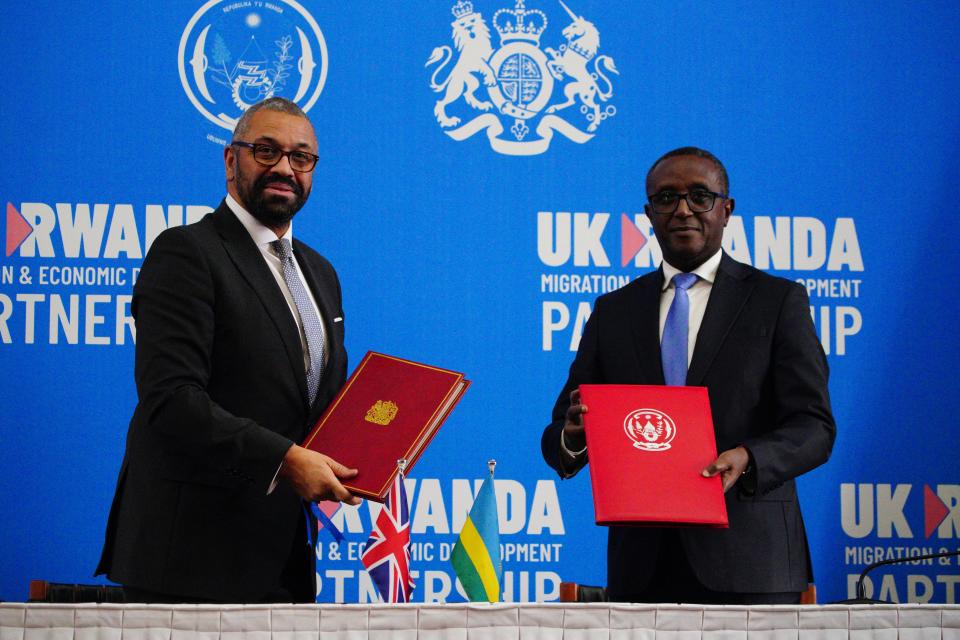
[934,510]
[631,240]
[18,229]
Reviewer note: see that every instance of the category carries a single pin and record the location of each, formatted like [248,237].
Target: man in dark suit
[239,350]
[703,319]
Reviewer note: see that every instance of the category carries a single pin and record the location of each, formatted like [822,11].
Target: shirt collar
[261,234]
[706,271]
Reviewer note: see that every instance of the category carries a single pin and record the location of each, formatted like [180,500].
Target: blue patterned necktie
[673,346]
[312,327]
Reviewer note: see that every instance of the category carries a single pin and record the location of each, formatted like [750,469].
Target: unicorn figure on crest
[583,41]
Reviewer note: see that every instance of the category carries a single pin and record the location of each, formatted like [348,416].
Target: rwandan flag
[476,556]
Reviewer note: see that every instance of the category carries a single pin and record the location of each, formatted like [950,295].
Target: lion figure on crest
[472,40]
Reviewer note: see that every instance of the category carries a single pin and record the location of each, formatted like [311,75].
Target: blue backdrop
[479,245]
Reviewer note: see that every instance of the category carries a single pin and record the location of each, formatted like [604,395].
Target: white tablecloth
[477,622]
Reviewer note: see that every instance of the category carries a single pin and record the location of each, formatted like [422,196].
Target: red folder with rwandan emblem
[647,446]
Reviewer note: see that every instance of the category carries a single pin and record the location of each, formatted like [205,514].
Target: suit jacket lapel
[644,318]
[249,262]
[729,294]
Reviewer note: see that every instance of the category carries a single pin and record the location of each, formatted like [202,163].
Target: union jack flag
[387,554]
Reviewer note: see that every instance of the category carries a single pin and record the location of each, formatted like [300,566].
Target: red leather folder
[389,409]
[647,446]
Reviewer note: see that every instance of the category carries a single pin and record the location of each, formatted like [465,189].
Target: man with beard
[239,350]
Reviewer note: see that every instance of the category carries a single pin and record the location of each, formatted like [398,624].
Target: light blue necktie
[673,346]
[312,327]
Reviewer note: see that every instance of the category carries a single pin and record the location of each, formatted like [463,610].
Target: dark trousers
[296,581]
[675,582]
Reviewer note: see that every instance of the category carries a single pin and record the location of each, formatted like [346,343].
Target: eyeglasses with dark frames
[269,156]
[698,201]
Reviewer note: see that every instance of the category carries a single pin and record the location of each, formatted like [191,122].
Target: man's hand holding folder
[316,477]
[573,438]
[732,464]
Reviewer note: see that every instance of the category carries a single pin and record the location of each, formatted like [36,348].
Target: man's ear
[728,206]
[229,162]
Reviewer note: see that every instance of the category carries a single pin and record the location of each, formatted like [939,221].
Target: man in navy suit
[748,338]
[239,350]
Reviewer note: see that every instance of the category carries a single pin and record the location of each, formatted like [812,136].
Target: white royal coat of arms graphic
[520,79]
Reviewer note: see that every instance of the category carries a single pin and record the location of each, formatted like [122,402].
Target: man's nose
[283,167]
[683,209]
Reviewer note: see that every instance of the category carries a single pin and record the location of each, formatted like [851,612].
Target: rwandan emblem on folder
[382,412]
[650,430]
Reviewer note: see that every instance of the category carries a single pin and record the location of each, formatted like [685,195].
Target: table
[548,621]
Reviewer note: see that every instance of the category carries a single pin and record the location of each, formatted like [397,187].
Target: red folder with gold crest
[389,409]
[647,447]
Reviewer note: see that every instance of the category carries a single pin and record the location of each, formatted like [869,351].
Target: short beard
[272,212]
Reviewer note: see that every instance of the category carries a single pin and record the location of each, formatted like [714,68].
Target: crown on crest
[520,23]
[462,9]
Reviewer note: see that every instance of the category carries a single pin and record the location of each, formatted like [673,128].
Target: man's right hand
[573,434]
[317,477]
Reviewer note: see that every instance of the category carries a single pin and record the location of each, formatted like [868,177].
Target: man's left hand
[730,465]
